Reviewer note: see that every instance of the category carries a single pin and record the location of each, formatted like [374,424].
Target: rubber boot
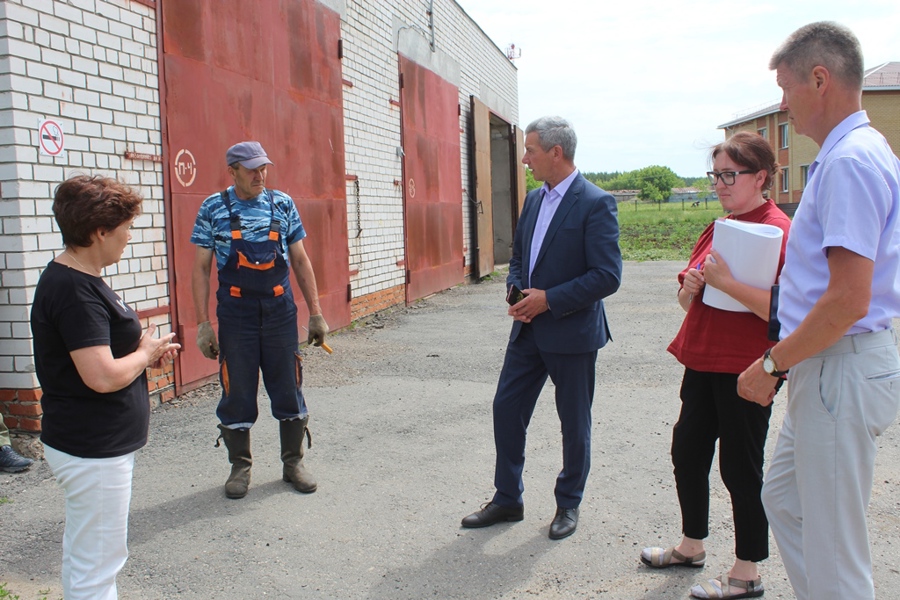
[238,443]
[292,434]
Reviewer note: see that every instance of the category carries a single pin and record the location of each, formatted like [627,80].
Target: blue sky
[648,81]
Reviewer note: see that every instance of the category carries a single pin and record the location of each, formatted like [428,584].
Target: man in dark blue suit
[565,259]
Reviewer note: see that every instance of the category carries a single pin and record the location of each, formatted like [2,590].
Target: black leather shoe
[564,523]
[491,514]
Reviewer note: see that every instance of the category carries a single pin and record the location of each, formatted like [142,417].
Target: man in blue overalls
[255,234]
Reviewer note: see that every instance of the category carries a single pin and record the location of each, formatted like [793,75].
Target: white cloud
[648,81]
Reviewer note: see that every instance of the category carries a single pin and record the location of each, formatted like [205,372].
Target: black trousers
[711,409]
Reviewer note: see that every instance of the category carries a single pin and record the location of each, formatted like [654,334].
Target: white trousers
[98,494]
[820,479]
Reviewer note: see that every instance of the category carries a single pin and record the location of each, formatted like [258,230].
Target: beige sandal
[662,558]
[721,588]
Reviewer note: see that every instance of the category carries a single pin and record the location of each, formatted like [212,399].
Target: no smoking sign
[51,139]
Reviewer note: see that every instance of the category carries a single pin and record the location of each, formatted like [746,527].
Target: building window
[783,135]
[784,180]
[762,131]
[804,176]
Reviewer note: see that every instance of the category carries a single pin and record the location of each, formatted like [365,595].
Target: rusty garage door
[433,181]
[268,71]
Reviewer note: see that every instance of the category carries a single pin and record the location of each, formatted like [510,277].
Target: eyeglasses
[727,177]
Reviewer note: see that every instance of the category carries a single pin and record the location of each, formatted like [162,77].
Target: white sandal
[721,588]
[661,558]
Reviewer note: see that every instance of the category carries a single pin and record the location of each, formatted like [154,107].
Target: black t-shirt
[74,310]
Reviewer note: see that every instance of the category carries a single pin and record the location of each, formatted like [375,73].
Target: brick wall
[91,66]
[371,31]
[883,108]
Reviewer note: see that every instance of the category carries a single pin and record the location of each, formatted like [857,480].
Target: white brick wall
[372,124]
[91,65]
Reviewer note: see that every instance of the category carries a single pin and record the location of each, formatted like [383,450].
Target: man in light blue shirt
[839,292]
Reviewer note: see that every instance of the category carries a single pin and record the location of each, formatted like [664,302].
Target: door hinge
[340,49]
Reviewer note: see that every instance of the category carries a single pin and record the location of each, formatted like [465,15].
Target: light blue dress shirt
[852,201]
[550,199]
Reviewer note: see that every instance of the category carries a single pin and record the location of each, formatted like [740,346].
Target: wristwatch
[769,365]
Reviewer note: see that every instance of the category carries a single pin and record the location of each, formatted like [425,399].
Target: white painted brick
[86,97]
[123,90]
[103,148]
[68,13]
[23,296]
[95,21]
[13,65]
[113,132]
[72,110]
[50,173]
[107,10]
[99,84]
[136,107]
[72,78]
[86,5]
[41,37]
[100,115]
[45,241]
[72,47]
[88,128]
[39,71]
[20,14]
[22,49]
[21,381]
[12,29]
[112,102]
[62,93]
[85,65]
[27,225]
[82,33]
[44,106]
[113,72]
[14,136]
[53,25]
[135,77]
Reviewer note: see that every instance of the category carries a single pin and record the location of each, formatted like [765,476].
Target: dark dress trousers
[578,265]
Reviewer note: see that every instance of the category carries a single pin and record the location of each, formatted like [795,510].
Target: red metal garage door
[268,71]
[433,185]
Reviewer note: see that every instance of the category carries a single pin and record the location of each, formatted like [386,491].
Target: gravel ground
[401,423]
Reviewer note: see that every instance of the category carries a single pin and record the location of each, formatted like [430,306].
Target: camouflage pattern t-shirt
[212,229]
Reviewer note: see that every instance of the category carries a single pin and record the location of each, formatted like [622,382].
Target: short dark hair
[749,150]
[826,44]
[85,203]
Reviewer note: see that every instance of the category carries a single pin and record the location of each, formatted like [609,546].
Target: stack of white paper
[751,251]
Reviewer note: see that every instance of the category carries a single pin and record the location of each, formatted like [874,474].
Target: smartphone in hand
[515,295]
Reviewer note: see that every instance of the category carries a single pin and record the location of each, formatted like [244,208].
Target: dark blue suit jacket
[579,264]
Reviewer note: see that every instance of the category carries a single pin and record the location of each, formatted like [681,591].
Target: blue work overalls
[257,328]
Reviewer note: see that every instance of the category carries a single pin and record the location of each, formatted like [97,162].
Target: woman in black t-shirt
[91,360]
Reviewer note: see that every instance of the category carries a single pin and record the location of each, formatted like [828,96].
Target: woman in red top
[715,346]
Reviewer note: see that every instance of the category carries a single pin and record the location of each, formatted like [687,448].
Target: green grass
[667,231]
[5,594]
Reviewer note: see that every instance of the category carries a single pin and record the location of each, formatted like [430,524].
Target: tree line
[654,182]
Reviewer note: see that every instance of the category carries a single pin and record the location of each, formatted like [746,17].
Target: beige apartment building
[881,100]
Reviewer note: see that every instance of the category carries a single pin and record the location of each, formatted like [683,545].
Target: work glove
[206,340]
[317,330]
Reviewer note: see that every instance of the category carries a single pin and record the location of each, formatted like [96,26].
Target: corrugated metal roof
[883,77]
